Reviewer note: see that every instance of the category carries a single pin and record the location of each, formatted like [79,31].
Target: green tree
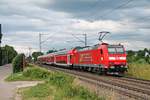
[147,59]
[29,59]
[36,54]
[18,63]
[51,51]
[130,56]
[147,56]
[10,53]
[7,54]
[141,53]
[146,50]
[130,53]
[141,56]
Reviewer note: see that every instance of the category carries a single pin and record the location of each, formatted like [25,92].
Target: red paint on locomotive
[101,57]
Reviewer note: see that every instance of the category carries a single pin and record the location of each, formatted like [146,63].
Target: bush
[36,72]
[18,63]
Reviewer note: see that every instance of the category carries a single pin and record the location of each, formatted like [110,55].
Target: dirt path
[8,89]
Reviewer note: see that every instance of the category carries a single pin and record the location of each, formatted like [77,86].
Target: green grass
[46,91]
[39,92]
[30,73]
[139,70]
[57,86]
[17,77]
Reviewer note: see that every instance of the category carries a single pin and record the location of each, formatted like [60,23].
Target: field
[57,86]
[139,70]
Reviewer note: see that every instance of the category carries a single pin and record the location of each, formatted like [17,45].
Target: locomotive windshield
[115,50]
[120,50]
[111,50]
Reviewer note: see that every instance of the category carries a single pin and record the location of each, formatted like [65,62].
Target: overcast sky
[23,20]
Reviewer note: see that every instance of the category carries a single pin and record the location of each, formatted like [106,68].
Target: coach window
[101,51]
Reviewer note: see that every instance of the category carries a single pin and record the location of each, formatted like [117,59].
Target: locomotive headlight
[112,58]
[122,58]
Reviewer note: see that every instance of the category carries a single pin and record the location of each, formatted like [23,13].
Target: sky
[62,23]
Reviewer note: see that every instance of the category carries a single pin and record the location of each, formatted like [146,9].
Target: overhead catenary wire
[105,14]
[77,38]
[48,38]
[83,41]
[114,9]
[121,6]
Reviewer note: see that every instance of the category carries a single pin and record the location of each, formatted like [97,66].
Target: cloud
[22,22]
[100,25]
[99,9]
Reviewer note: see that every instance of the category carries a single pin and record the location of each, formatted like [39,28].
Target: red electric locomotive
[102,58]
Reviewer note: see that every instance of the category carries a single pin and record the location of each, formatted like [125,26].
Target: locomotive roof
[115,45]
[96,46]
[87,47]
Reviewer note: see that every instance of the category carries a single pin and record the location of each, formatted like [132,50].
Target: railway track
[142,81]
[134,88]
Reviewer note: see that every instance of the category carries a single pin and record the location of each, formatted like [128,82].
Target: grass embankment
[57,86]
[141,71]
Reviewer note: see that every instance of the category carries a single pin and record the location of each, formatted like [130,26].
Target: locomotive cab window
[120,50]
[116,50]
[111,50]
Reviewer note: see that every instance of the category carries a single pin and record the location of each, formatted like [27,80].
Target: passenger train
[102,58]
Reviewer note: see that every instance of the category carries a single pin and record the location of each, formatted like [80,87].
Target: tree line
[36,54]
[140,56]
[7,53]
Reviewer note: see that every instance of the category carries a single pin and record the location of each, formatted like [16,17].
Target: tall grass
[36,73]
[139,70]
[57,86]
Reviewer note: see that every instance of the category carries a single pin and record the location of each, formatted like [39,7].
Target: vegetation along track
[138,89]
